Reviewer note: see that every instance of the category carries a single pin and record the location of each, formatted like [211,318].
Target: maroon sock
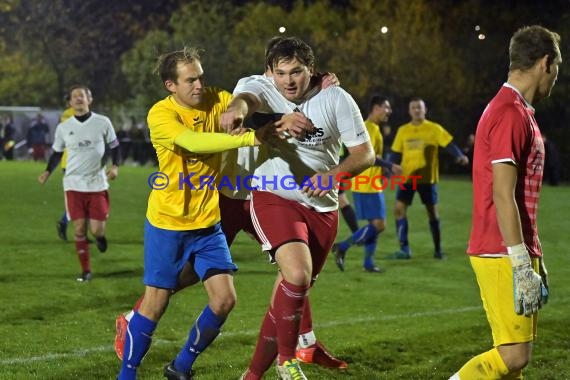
[288,309]
[307,319]
[82,248]
[266,348]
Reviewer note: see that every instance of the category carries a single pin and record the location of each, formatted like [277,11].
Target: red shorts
[93,205]
[235,218]
[279,221]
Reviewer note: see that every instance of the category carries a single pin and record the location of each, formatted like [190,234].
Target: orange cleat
[318,354]
[121,325]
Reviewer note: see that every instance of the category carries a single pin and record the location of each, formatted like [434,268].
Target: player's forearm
[207,142]
[53,161]
[360,158]
[116,155]
[244,104]
[508,217]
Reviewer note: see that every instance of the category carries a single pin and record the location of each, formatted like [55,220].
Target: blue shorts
[166,252]
[428,193]
[369,205]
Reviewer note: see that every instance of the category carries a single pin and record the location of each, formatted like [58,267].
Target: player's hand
[544,276]
[463,160]
[238,131]
[527,284]
[319,185]
[112,173]
[231,119]
[294,125]
[396,169]
[43,177]
[328,80]
[268,134]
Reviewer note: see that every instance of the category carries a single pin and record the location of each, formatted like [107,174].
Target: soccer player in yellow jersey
[416,144]
[369,197]
[183,219]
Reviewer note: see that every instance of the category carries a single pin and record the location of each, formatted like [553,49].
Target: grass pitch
[421,319]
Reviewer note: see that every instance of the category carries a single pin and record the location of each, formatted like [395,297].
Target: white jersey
[284,169]
[85,143]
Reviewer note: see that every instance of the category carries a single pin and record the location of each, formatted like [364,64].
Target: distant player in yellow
[368,197]
[417,144]
[183,218]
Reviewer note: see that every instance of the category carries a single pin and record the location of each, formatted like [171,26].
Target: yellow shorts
[495,279]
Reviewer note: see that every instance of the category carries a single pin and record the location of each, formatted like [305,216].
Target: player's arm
[242,106]
[454,150]
[527,284]
[53,161]
[360,158]
[388,165]
[115,152]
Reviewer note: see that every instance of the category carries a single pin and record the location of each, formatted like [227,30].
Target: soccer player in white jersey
[296,179]
[504,248]
[85,136]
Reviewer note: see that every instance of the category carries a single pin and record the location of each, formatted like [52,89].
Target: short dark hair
[270,44]
[529,44]
[377,100]
[75,87]
[167,64]
[416,99]
[291,48]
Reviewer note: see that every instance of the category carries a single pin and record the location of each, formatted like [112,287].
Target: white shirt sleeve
[349,120]
[58,143]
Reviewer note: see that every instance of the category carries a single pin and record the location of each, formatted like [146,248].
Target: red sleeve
[509,136]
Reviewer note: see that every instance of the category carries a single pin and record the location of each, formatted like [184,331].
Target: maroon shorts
[92,205]
[279,221]
[235,218]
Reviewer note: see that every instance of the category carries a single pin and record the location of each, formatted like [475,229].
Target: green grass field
[421,319]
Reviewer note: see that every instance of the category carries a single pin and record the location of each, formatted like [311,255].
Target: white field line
[87,351]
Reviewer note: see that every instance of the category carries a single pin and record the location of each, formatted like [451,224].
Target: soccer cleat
[339,256]
[121,325]
[318,354]
[171,373]
[373,269]
[400,255]
[101,243]
[439,256]
[84,277]
[290,370]
[61,230]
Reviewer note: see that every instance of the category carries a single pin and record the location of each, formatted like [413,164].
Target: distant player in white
[86,136]
[297,181]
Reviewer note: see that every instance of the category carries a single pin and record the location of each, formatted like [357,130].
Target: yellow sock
[486,366]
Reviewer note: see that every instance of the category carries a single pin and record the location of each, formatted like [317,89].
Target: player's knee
[222,306]
[516,357]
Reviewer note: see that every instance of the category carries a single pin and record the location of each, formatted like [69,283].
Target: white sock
[307,340]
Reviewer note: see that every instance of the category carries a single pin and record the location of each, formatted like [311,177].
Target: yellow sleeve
[208,142]
[444,137]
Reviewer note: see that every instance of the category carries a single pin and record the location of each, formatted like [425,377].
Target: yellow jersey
[69,112]
[190,200]
[373,173]
[419,145]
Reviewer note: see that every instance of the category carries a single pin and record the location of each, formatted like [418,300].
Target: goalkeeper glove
[527,284]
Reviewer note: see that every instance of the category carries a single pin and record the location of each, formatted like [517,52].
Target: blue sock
[402,231]
[363,235]
[435,234]
[64,219]
[369,251]
[139,337]
[205,330]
